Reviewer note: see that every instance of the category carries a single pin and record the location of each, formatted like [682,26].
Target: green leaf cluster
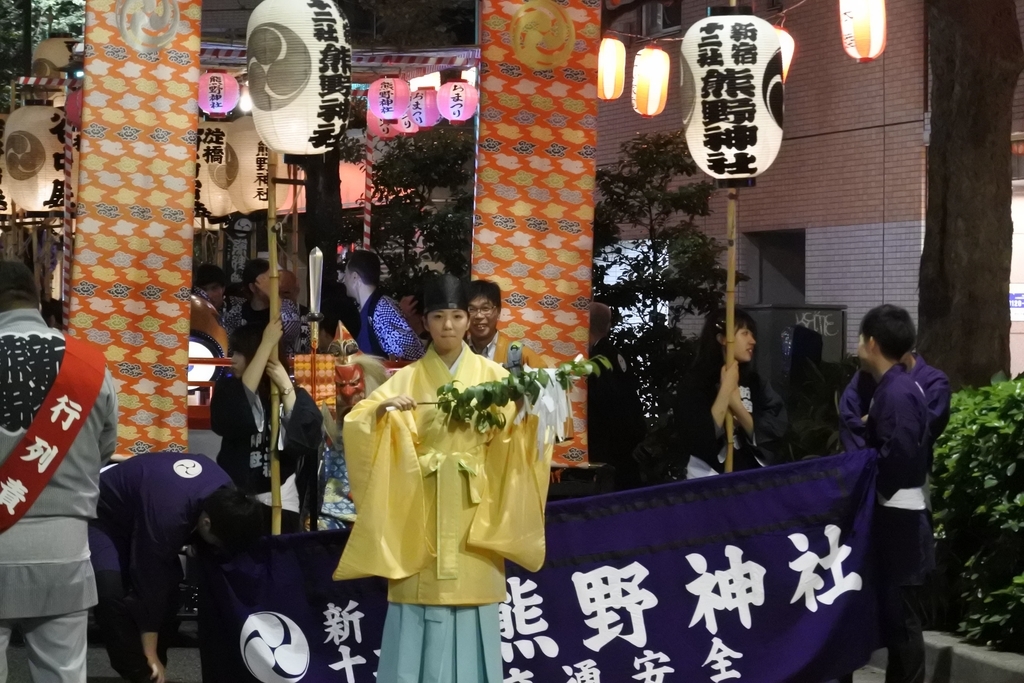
[481,405]
[978,501]
[667,268]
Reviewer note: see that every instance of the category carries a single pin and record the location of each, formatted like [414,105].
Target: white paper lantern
[34,157]
[218,93]
[5,195]
[457,101]
[250,190]
[300,64]
[423,108]
[217,170]
[863,25]
[611,69]
[732,94]
[52,55]
[388,98]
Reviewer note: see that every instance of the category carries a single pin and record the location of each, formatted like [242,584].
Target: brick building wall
[851,171]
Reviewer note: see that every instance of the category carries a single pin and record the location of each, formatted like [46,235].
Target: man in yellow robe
[442,506]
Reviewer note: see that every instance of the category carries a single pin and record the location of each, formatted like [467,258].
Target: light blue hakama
[440,644]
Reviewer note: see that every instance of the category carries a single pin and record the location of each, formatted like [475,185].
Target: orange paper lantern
[650,81]
[863,26]
[611,69]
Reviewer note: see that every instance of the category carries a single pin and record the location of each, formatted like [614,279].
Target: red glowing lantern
[388,98]
[457,101]
[218,93]
[423,108]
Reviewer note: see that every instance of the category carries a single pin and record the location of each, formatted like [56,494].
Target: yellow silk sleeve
[387,487]
[510,518]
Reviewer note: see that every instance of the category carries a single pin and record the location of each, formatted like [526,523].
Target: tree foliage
[423,223]
[672,270]
[48,16]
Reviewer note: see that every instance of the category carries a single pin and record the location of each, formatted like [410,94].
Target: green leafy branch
[481,405]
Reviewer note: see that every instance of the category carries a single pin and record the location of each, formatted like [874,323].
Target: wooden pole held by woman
[275,314]
[730,316]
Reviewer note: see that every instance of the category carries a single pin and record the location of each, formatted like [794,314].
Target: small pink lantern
[218,93]
[388,98]
[423,108]
[457,101]
[385,130]
[73,107]
[406,126]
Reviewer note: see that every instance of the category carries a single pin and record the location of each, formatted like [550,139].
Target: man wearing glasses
[484,338]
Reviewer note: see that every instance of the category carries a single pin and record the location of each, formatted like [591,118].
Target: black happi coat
[698,434]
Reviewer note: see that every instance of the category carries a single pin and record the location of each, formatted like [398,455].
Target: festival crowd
[80,533]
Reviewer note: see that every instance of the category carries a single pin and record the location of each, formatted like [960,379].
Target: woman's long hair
[246,340]
[710,359]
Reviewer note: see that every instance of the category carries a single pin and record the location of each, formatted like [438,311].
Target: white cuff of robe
[698,469]
[905,499]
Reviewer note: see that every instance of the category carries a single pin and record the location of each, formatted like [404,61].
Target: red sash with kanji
[32,463]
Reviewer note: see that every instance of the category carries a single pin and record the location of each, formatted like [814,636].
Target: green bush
[978,500]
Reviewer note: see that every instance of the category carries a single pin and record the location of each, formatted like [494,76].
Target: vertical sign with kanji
[732,94]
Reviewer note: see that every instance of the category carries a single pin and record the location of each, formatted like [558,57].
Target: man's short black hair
[253,269]
[486,289]
[209,274]
[892,328]
[17,286]
[366,265]
[236,518]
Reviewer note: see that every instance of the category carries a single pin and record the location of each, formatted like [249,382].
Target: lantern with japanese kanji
[300,63]
[406,126]
[384,130]
[650,81]
[423,108]
[51,56]
[251,186]
[33,144]
[218,93]
[862,23]
[217,170]
[732,93]
[457,101]
[611,69]
[388,98]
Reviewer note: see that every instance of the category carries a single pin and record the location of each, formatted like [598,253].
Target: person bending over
[150,507]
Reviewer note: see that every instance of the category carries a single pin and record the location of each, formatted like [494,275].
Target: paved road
[183,667]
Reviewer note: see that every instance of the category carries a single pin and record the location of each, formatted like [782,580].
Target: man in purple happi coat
[856,401]
[150,508]
[899,425]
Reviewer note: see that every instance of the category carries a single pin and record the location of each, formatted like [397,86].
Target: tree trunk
[323,201]
[976,57]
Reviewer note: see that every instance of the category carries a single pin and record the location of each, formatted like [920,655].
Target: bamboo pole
[730,314]
[275,314]
[730,308]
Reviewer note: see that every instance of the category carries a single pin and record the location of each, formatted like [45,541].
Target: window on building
[663,17]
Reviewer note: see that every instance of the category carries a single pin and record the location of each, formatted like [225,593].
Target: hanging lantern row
[863,25]
[399,110]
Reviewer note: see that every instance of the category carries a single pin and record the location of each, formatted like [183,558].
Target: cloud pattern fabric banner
[763,576]
[533,226]
[133,239]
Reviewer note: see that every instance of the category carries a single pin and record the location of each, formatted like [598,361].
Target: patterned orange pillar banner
[533,229]
[133,239]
